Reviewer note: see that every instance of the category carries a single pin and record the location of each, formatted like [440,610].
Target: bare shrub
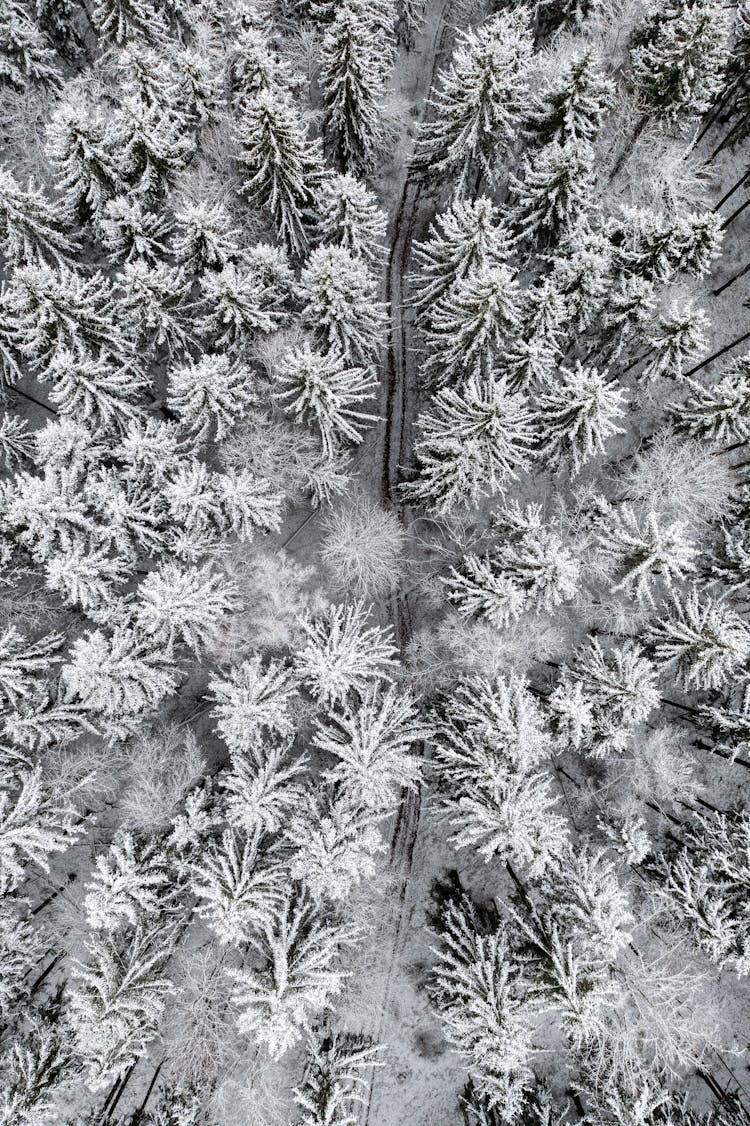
[362,548]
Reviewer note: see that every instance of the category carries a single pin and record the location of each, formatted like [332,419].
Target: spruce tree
[238,308]
[341,305]
[81,150]
[252,700]
[473,442]
[281,163]
[477,109]
[702,639]
[471,325]
[644,552]
[298,974]
[576,416]
[119,998]
[574,104]
[467,237]
[678,56]
[30,227]
[334,1085]
[326,392]
[129,231]
[720,413]
[349,216]
[554,191]
[370,744]
[235,886]
[205,237]
[485,1005]
[343,654]
[352,88]
[604,696]
[530,567]
[677,338]
[704,882]
[26,57]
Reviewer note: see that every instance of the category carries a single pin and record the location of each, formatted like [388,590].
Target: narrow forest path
[399,393]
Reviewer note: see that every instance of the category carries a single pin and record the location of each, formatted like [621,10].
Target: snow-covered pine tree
[323,390]
[351,80]
[33,824]
[24,663]
[656,247]
[130,231]
[582,275]
[30,225]
[341,305]
[154,305]
[704,881]
[126,21]
[118,999]
[471,444]
[582,894]
[630,309]
[371,744]
[206,506]
[678,55]
[721,412]
[334,1085]
[297,976]
[118,676]
[153,145]
[95,390]
[477,110]
[129,883]
[490,747]
[49,309]
[576,415]
[485,1005]
[283,166]
[349,216]
[343,654]
[262,789]
[81,152]
[702,639]
[471,325]
[209,395]
[31,1068]
[235,885]
[16,441]
[643,551]
[26,57]
[238,307]
[334,846]
[529,567]
[554,191]
[467,237]
[205,237]
[252,699]
[183,606]
[575,102]
[678,336]
[604,696]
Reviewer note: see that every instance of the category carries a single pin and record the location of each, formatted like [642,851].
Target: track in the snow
[400,390]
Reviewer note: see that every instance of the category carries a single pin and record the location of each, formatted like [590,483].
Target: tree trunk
[736,187]
[716,355]
[737,125]
[137,1115]
[732,280]
[627,152]
[734,214]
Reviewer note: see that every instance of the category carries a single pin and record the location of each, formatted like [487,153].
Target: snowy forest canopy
[374,563]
